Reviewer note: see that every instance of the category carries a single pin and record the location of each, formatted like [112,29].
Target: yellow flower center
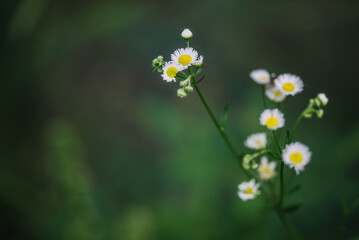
[277,94]
[249,190]
[262,78]
[271,122]
[171,72]
[185,60]
[265,170]
[258,143]
[289,87]
[296,157]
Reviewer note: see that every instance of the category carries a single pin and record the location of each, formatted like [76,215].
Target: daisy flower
[248,190]
[274,94]
[184,56]
[265,169]
[260,76]
[272,119]
[256,141]
[170,70]
[186,34]
[296,155]
[289,84]
[323,98]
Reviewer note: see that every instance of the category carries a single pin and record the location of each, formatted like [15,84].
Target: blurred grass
[94,146]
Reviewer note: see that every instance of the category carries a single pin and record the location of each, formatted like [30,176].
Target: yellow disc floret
[296,157]
[289,87]
[185,60]
[249,190]
[171,72]
[271,122]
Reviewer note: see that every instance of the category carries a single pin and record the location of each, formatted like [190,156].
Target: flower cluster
[293,154]
[180,67]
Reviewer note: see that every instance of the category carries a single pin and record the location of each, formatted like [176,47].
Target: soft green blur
[96,146]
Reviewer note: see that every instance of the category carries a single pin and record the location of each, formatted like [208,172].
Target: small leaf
[294,189]
[224,116]
[199,70]
[179,78]
[200,79]
[292,208]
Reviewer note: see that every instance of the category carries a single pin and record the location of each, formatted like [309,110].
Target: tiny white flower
[184,56]
[289,84]
[323,98]
[266,170]
[260,76]
[256,141]
[198,62]
[296,155]
[186,34]
[170,70]
[272,119]
[248,190]
[274,94]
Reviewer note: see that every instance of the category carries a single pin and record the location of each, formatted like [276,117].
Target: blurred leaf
[292,208]
[287,137]
[199,70]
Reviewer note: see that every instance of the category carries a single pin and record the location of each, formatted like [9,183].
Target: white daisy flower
[248,190]
[184,56]
[256,141]
[289,84]
[170,70]
[260,76]
[323,98]
[186,34]
[198,62]
[272,119]
[296,155]
[274,94]
[266,170]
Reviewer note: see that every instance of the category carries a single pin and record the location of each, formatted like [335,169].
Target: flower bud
[308,114]
[189,88]
[320,113]
[181,93]
[186,34]
[323,98]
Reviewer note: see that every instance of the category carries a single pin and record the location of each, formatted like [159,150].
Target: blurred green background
[96,146]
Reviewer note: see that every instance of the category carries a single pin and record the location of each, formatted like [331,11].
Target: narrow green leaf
[199,70]
[200,79]
[179,78]
[224,116]
[294,189]
[292,208]
[287,137]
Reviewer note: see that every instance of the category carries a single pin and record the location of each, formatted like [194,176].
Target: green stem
[263,96]
[295,126]
[281,190]
[220,129]
[288,225]
[276,141]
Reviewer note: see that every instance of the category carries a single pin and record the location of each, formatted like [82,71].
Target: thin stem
[263,96]
[288,225]
[276,141]
[220,129]
[295,126]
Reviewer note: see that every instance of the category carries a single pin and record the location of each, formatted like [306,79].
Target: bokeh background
[96,146]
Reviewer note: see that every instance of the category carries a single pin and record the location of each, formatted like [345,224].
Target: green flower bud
[308,114]
[320,113]
[181,93]
[189,88]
